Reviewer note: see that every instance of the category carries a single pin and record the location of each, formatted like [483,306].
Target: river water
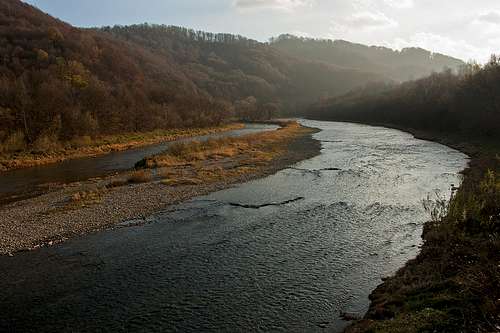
[289,252]
[24,183]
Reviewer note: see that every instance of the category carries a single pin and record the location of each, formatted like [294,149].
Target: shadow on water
[289,252]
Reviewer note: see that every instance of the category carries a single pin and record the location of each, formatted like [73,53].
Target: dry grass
[181,182]
[117,183]
[261,146]
[140,176]
[14,155]
[86,197]
[218,159]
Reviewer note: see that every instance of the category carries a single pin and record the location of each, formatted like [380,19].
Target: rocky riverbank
[97,204]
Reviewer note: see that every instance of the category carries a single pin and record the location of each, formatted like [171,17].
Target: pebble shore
[46,220]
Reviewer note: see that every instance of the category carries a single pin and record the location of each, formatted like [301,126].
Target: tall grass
[140,176]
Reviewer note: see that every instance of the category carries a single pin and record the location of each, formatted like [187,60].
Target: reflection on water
[288,252]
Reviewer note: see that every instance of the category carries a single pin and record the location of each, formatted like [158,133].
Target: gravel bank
[49,219]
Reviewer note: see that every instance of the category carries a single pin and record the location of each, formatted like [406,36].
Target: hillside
[63,85]
[60,83]
[404,65]
[235,68]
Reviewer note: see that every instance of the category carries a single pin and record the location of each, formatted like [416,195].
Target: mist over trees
[235,68]
[466,103]
[404,65]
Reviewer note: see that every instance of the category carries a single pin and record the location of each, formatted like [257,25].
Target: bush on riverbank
[454,283]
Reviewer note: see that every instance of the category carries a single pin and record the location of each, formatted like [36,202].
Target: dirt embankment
[185,171]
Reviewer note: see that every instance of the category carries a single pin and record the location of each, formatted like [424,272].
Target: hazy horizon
[460,30]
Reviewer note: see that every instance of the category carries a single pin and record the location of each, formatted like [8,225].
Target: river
[25,183]
[289,252]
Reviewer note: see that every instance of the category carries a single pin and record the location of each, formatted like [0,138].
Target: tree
[22,101]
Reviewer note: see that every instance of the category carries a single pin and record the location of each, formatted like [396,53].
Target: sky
[469,30]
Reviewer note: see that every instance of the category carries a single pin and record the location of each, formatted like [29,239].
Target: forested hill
[464,104]
[59,83]
[404,65]
[244,71]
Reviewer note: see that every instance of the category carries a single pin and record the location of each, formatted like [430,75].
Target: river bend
[285,253]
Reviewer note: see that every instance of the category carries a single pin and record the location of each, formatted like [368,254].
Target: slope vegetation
[61,85]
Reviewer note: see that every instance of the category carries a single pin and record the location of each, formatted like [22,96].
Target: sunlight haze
[468,31]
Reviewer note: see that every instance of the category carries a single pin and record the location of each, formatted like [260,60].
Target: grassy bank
[218,159]
[53,152]
[454,283]
[185,171]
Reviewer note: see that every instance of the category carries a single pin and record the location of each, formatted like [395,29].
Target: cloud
[374,4]
[492,17]
[368,20]
[400,3]
[272,4]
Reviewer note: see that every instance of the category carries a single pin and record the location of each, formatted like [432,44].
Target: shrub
[436,208]
[183,149]
[476,208]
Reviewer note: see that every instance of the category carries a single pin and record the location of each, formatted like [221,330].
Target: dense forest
[404,65]
[258,79]
[464,103]
[59,84]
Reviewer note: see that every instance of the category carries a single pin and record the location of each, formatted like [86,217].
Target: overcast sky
[462,28]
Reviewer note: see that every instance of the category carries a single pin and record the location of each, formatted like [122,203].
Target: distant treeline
[466,103]
[256,78]
[407,64]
